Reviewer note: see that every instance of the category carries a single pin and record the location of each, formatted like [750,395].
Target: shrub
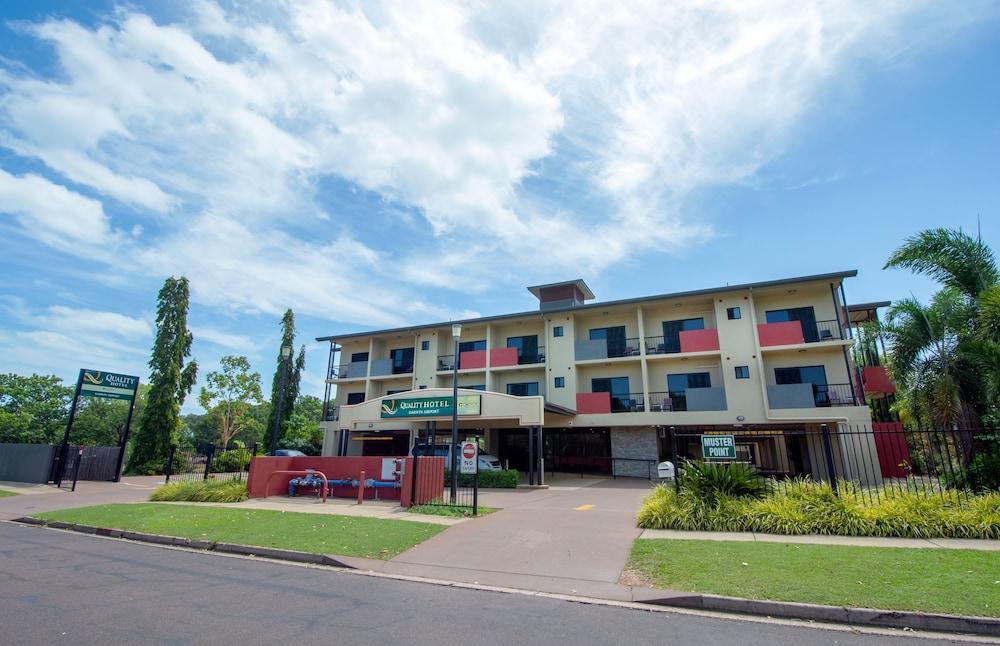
[806,507]
[230,461]
[201,491]
[159,467]
[711,480]
[982,474]
[506,479]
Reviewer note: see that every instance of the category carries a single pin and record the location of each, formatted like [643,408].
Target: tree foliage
[303,431]
[945,355]
[101,422]
[170,380]
[33,410]
[287,373]
[229,395]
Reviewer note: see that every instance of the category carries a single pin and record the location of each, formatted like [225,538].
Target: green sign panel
[430,406]
[108,385]
[718,447]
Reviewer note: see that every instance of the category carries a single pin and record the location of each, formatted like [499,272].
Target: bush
[159,467]
[982,474]
[807,507]
[506,479]
[300,444]
[230,461]
[711,480]
[201,491]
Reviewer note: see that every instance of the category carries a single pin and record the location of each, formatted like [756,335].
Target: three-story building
[614,385]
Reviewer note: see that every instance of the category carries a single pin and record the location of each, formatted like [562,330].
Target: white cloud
[54,214]
[228,340]
[222,127]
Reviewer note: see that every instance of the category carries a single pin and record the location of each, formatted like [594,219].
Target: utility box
[665,470]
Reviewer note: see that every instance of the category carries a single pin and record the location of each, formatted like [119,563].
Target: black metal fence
[434,487]
[210,462]
[866,461]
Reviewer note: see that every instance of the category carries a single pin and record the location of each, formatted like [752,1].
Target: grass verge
[965,582]
[453,512]
[6,494]
[375,538]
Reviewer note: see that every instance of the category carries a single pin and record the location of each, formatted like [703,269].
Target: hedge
[506,479]
[806,507]
[201,491]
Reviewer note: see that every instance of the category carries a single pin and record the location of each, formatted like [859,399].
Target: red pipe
[298,473]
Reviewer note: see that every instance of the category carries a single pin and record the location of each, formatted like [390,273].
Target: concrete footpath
[38,498]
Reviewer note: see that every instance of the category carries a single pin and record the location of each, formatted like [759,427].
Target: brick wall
[637,443]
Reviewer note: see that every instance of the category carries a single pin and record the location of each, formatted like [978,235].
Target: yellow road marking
[583,508]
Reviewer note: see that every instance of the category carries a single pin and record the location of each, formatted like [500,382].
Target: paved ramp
[572,536]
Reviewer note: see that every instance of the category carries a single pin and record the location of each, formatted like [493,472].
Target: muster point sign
[470,458]
[718,447]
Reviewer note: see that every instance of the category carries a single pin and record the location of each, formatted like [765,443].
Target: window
[422,387]
[615,337]
[618,388]
[394,392]
[557,330]
[733,313]
[742,372]
[815,375]
[672,333]
[355,398]
[475,387]
[527,348]
[469,346]
[359,356]
[678,384]
[806,316]
[523,390]
[560,382]
[402,360]
[425,345]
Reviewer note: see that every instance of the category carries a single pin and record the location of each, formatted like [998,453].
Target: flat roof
[578,283]
[698,292]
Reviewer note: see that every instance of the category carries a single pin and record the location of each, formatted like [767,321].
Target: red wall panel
[260,484]
[593,402]
[699,340]
[472,359]
[500,357]
[893,452]
[876,380]
[787,333]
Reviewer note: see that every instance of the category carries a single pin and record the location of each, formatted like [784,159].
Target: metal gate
[434,486]
[98,463]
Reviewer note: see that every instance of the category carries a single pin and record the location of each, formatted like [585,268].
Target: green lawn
[318,533]
[965,582]
[6,494]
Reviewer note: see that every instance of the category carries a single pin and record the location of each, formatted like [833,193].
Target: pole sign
[430,406]
[470,458]
[108,385]
[718,447]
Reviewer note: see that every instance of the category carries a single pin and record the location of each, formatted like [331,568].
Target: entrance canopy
[475,408]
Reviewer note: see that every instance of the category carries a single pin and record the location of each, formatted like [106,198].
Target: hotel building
[615,386]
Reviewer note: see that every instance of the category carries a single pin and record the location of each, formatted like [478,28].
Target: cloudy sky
[377,164]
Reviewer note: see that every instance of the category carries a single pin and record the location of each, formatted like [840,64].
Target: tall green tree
[288,373]
[229,394]
[946,355]
[170,380]
[33,410]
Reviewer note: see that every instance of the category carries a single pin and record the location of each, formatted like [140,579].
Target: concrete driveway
[34,499]
[573,537]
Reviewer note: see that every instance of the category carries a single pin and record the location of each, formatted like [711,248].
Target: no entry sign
[470,458]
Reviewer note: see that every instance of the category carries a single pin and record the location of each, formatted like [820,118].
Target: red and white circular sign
[468,450]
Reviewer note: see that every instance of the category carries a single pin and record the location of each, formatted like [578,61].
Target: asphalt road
[57,587]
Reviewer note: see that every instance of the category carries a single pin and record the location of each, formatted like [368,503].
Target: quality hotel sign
[430,407]
[108,385]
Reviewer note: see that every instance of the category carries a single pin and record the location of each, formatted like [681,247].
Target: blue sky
[379,164]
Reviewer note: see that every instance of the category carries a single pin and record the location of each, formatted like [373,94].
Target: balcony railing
[834,395]
[352,370]
[528,358]
[628,403]
[667,402]
[823,331]
[446,362]
[628,349]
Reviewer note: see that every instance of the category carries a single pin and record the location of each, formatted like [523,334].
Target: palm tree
[931,361]
[953,258]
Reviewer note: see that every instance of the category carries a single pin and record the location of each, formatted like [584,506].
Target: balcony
[351,370]
[387,367]
[687,341]
[469,360]
[810,395]
[797,332]
[692,399]
[503,357]
[877,381]
[588,350]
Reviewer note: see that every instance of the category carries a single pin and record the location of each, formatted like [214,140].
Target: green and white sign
[718,447]
[430,406]
[108,385]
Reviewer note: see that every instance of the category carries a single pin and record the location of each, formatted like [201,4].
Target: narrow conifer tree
[291,378]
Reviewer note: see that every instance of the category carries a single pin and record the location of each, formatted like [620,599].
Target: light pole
[456,333]
[286,353]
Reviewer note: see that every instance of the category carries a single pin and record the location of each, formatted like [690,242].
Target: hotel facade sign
[430,406]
